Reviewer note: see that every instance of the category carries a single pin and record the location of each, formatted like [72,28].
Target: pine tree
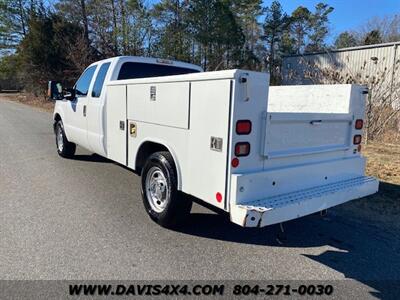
[40,63]
[318,27]
[373,37]
[345,39]
[172,28]
[13,22]
[77,12]
[275,24]
[140,28]
[247,14]
[300,27]
[219,38]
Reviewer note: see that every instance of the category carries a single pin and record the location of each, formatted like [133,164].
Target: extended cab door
[117,124]
[95,109]
[76,111]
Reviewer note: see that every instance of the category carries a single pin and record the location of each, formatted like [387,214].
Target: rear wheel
[162,201]
[64,147]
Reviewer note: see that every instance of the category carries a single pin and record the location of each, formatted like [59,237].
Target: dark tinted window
[98,84]
[82,86]
[131,70]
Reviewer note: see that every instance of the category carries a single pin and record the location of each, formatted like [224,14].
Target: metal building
[344,65]
[375,66]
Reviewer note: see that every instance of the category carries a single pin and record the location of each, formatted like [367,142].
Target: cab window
[83,83]
[98,84]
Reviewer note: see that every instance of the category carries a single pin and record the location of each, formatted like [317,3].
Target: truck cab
[84,116]
[226,139]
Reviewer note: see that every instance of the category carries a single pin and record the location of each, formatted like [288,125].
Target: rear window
[132,70]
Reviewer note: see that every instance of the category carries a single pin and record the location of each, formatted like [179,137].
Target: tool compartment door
[116,124]
[165,103]
[208,141]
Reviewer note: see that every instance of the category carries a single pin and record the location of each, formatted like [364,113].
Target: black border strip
[228,144]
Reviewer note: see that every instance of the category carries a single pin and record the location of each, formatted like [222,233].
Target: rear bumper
[294,205]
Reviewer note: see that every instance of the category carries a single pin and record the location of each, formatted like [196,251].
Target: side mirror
[54,91]
[70,94]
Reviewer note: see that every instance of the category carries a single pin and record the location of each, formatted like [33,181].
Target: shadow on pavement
[359,249]
[91,158]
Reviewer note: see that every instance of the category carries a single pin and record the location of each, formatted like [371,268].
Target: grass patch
[383,162]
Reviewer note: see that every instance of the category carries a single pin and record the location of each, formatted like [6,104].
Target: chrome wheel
[60,139]
[157,190]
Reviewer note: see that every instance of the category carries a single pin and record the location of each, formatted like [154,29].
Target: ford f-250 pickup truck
[263,154]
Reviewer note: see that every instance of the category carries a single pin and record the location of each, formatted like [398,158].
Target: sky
[347,14]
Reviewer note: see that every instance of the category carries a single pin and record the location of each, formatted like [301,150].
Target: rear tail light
[357,139]
[359,124]
[242,149]
[243,127]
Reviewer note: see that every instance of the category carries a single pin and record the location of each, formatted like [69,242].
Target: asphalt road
[84,219]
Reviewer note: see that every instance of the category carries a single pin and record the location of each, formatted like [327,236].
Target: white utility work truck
[263,154]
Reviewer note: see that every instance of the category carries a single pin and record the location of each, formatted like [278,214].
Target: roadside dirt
[38,102]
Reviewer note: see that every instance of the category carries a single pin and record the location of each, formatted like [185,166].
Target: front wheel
[162,201]
[64,147]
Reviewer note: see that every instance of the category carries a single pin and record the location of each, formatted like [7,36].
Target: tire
[163,202]
[64,147]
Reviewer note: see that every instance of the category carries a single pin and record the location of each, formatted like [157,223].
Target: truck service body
[263,154]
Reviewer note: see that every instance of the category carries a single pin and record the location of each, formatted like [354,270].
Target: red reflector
[357,139]
[218,196]
[359,148]
[243,127]
[359,124]
[242,149]
[235,162]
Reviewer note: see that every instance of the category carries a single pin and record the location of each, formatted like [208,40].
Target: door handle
[84,110]
[316,122]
